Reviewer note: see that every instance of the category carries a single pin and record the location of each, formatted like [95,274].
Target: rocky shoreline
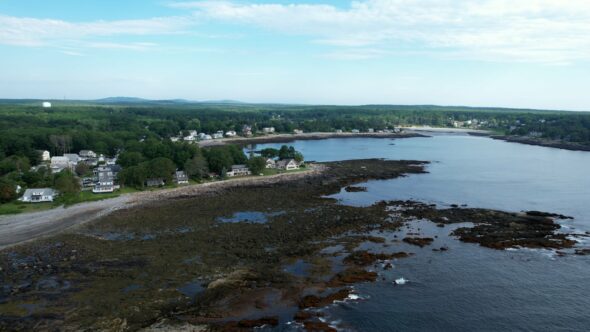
[282,251]
[288,138]
[543,142]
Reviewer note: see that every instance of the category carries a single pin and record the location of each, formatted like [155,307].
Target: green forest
[140,134]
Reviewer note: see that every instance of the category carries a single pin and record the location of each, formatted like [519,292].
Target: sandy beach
[20,228]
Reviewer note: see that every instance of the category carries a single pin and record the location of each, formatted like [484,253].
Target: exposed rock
[314,301]
[419,241]
[354,189]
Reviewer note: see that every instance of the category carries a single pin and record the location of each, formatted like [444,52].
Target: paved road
[20,228]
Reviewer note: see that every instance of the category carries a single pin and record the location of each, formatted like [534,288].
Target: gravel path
[20,228]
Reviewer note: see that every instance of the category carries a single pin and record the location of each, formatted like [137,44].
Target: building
[217,135]
[355,131]
[230,133]
[238,170]
[246,130]
[38,195]
[338,131]
[288,164]
[105,180]
[371,130]
[74,158]
[88,154]
[271,163]
[180,177]
[155,182]
[44,155]
[46,104]
[268,130]
[58,164]
[297,131]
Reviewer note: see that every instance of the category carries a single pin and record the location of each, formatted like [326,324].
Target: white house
[217,135]
[355,131]
[268,130]
[45,155]
[230,133]
[238,170]
[38,195]
[288,164]
[46,104]
[180,177]
[271,163]
[105,180]
[297,131]
[88,154]
[58,164]
[74,158]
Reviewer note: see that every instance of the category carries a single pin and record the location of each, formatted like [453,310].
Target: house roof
[39,191]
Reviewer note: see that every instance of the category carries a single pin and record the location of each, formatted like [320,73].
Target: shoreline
[22,228]
[287,138]
[540,142]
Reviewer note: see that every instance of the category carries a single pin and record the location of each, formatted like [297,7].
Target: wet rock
[547,214]
[419,241]
[354,189]
[583,252]
[364,258]
[314,301]
[352,276]
[318,327]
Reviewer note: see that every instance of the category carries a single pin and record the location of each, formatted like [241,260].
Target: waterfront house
[38,195]
[297,131]
[271,163]
[230,133]
[88,154]
[155,182]
[246,130]
[268,130]
[180,177]
[355,131]
[238,170]
[288,164]
[105,180]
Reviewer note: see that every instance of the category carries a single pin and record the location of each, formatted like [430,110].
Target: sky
[498,53]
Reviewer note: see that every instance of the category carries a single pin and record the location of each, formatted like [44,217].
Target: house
[155,182]
[288,164]
[238,170]
[44,155]
[297,131]
[271,163]
[247,130]
[74,158]
[355,131]
[46,104]
[38,195]
[268,130]
[180,177]
[88,154]
[58,164]
[338,131]
[217,135]
[174,139]
[105,180]
[371,130]
[231,133]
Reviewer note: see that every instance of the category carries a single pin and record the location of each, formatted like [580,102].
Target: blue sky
[518,53]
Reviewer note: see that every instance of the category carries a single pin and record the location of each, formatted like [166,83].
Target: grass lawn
[18,207]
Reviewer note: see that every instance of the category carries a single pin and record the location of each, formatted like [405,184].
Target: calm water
[468,287]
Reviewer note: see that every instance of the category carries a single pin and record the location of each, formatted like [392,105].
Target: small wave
[401,281]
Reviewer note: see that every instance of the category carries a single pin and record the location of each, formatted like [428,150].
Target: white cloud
[24,31]
[551,31]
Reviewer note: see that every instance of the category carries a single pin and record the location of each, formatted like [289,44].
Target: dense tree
[130,158]
[133,176]
[7,191]
[66,183]
[196,168]
[160,168]
[269,153]
[257,165]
